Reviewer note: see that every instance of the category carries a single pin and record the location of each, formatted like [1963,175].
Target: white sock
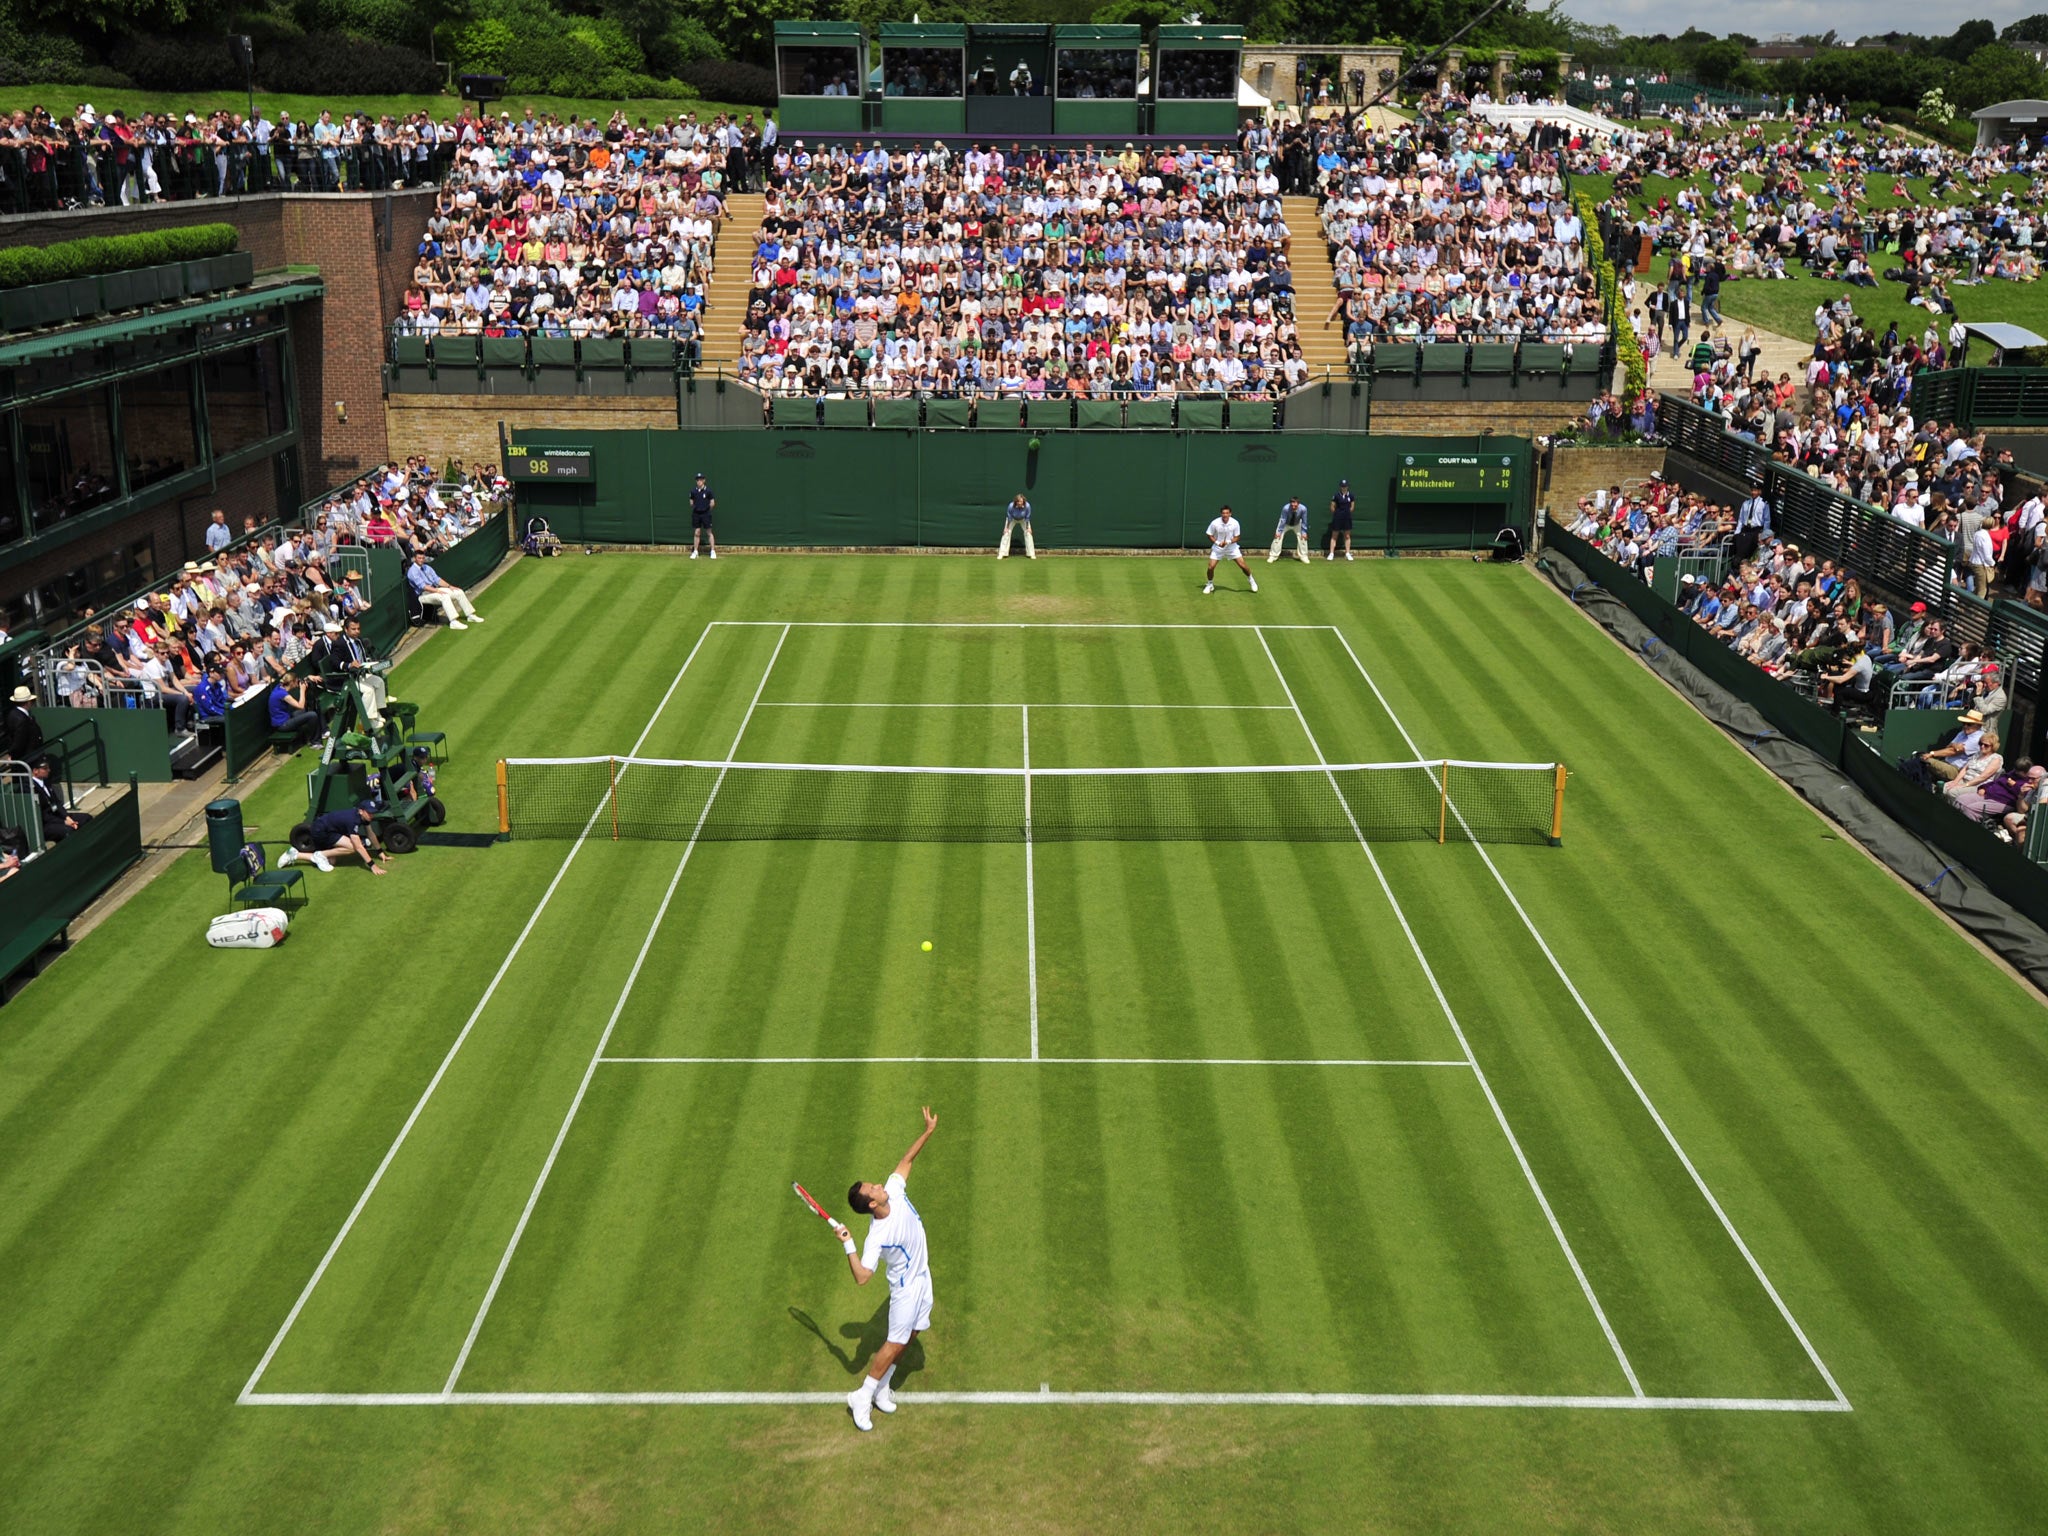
[865,1392]
[887,1376]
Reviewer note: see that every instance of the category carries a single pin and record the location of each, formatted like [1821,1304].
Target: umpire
[702,505]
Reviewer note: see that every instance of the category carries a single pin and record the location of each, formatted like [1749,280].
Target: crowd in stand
[1835,203]
[245,619]
[91,158]
[1810,623]
[549,228]
[1027,273]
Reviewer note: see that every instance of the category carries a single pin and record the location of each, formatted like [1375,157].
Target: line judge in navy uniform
[702,505]
[1342,505]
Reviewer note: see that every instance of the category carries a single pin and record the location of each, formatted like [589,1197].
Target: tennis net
[659,798]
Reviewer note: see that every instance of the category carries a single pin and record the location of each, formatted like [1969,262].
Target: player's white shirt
[1224,533]
[897,1239]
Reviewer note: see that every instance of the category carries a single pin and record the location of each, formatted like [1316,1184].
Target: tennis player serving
[895,1235]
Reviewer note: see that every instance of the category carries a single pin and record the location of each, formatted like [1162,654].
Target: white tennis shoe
[1211,587]
[1254,581]
[862,1419]
[885,1400]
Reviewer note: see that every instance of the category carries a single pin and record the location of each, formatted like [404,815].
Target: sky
[1766,19]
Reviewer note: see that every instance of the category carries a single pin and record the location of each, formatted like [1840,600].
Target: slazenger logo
[1257,456]
[796,450]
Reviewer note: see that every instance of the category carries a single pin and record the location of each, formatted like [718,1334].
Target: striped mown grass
[183,1133]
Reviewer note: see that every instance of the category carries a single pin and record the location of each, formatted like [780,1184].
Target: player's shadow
[866,1339]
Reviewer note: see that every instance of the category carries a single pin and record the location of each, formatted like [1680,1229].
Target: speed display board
[1463,477]
[544,464]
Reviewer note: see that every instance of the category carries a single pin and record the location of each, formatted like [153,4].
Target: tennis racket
[817,1210]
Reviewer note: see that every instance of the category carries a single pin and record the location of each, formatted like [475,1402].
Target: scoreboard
[1466,477]
[545,464]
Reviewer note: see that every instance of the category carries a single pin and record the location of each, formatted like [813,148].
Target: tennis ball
[927,945]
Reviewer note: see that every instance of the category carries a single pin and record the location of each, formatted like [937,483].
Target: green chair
[846,413]
[1048,415]
[1201,414]
[1155,415]
[1395,357]
[1443,359]
[948,413]
[413,372]
[1542,360]
[554,365]
[604,365]
[1493,359]
[1099,413]
[904,413]
[436,743]
[654,366]
[455,365]
[1254,415]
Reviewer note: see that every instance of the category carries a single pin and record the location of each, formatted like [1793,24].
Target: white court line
[1030,887]
[981,624]
[1042,1398]
[1022,1061]
[448,1060]
[1500,1115]
[1671,1139]
[582,1088]
[977,704]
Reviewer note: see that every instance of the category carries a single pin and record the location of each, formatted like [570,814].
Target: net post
[1557,809]
[614,763]
[1443,808]
[504,802]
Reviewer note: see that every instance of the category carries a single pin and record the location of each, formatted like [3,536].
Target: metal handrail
[18,806]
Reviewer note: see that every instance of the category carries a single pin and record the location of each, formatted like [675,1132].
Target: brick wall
[466,426]
[339,341]
[176,529]
[1457,418]
[1576,472]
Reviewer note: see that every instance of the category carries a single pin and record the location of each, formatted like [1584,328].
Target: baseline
[440,1072]
[1642,1094]
[625,992]
[1443,1002]
[1023,1061]
[1045,1397]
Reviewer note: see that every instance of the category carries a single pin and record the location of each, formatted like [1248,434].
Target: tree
[1968,38]
[1717,61]
[2028,29]
[1995,74]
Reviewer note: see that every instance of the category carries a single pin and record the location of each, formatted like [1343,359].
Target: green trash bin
[224,837]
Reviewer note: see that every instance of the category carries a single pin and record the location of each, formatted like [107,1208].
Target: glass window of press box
[68,448]
[915,72]
[826,71]
[1098,74]
[158,435]
[245,396]
[1197,75]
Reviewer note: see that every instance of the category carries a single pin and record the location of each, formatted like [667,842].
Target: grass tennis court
[1685,1176]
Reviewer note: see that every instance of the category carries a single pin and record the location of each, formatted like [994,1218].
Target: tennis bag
[258,928]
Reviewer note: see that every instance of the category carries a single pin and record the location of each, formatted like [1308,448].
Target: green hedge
[23,265]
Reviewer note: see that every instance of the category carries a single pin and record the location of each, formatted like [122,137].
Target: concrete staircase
[725,296]
[1315,287]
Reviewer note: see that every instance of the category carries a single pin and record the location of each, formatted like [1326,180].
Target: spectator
[289,710]
[218,535]
[23,738]
[453,602]
[59,820]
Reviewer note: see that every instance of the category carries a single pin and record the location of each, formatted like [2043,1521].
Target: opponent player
[895,1233]
[1294,515]
[1341,507]
[1224,531]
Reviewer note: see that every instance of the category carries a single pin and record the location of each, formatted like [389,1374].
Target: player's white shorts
[910,1310]
[1219,552]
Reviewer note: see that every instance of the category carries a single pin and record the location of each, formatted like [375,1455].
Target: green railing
[1983,397]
